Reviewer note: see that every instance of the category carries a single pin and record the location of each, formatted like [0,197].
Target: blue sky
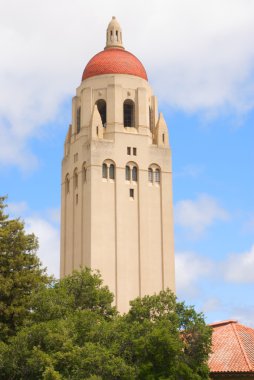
[199,57]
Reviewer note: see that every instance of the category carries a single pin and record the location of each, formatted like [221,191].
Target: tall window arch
[75,179]
[78,119]
[111,171]
[104,170]
[108,170]
[154,174]
[134,174]
[67,184]
[127,173]
[84,172]
[150,175]
[102,108]
[157,175]
[128,113]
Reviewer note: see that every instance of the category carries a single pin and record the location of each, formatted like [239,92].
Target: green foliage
[82,290]
[69,330]
[20,272]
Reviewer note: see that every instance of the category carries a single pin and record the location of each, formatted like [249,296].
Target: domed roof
[114,61]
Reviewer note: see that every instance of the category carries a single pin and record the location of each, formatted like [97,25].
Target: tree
[159,338]
[20,272]
[68,328]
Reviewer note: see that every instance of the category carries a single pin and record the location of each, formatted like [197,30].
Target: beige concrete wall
[129,240]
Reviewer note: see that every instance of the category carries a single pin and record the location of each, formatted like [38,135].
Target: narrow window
[127,173]
[134,151]
[150,175]
[97,130]
[163,137]
[102,108]
[76,199]
[75,179]
[150,118]
[157,175]
[134,174]
[117,35]
[84,174]
[132,193]
[78,119]
[67,184]
[128,150]
[128,113]
[104,171]
[112,171]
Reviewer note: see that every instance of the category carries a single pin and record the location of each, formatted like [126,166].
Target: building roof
[232,348]
[114,61]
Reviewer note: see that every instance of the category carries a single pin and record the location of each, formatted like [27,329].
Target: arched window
[129,113]
[134,174]
[78,119]
[67,184]
[112,171]
[127,173]
[102,108]
[150,175]
[84,174]
[75,179]
[157,175]
[104,171]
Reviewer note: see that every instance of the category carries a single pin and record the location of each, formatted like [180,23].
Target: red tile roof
[232,347]
[114,61]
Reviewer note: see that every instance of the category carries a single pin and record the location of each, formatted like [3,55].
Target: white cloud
[17,208]
[49,246]
[212,304]
[198,215]
[190,268]
[239,267]
[197,53]
[244,315]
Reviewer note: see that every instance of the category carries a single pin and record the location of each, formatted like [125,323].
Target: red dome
[114,61]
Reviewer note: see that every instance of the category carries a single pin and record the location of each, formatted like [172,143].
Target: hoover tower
[116,209]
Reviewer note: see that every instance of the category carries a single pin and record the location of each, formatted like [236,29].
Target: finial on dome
[114,35]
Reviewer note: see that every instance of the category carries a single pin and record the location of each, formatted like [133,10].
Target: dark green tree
[68,329]
[20,272]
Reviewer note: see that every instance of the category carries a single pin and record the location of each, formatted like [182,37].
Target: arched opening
[157,175]
[129,113]
[134,174]
[102,108]
[75,179]
[127,173]
[150,175]
[104,171]
[84,173]
[78,119]
[112,171]
[67,184]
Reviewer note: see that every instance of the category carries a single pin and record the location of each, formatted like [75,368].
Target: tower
[116,210]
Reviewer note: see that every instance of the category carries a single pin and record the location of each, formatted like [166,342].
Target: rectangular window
[75,157]
[134,151]
[163,137]
[128,150]
[132,193]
